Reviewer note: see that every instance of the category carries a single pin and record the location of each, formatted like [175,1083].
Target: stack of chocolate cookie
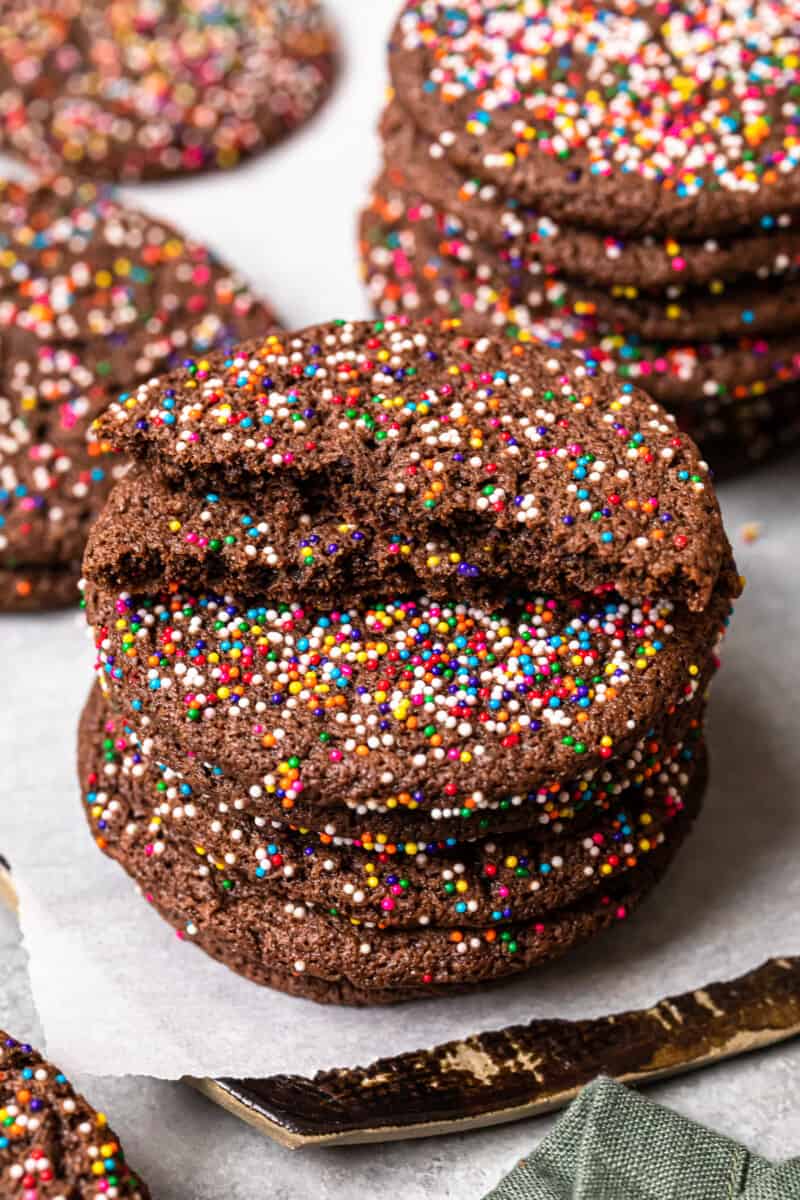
[403,642]
[94,298]
[622,179]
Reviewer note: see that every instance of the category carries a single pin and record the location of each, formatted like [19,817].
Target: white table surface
[288,220]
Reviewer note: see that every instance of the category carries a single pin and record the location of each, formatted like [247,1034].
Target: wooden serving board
[506,1074]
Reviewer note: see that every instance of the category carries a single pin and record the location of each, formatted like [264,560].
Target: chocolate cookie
[714,313]
[481,212]
[738,369]
[394,822]
[669,119]
[433,429]
[311,950]
[126,92]
[97,294]
[406,696]
[49,494]
[93,296]
[407,275]
[443,882]
[52,1142]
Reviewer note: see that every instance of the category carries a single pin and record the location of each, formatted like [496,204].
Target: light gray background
[287,220]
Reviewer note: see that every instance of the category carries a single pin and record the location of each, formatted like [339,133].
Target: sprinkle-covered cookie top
[446,430]
[407,696]
[49,493]
[81,270]
[649,115]
[129,90]
[53,1145]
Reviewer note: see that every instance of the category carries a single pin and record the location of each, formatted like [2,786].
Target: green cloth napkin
[613,1144]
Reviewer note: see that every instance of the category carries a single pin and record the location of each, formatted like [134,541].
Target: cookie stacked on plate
[94,297]
[52,1142]
[403,642]
[620,178]
[130,90]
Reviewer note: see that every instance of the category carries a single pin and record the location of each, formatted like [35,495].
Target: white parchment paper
[190,1149]
[116,988]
